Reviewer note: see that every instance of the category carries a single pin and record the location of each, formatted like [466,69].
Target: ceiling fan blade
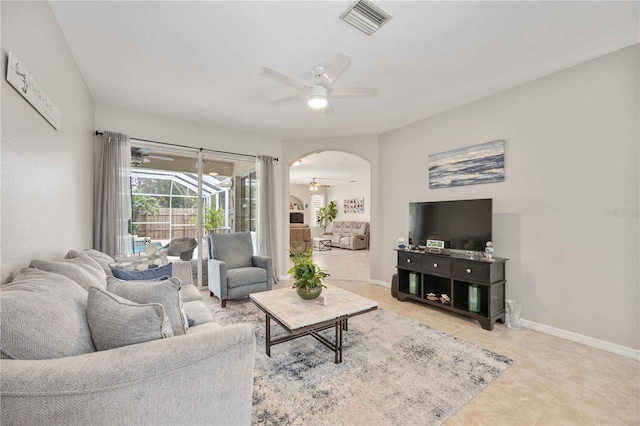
[288,99]
[335,69]
[283,78]
[328,109]
[140,151]
[158,157]
[352,92]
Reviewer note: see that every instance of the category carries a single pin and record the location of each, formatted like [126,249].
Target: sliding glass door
[185,194]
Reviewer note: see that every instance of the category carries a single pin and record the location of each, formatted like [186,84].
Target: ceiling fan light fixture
[313,186]
[317,97]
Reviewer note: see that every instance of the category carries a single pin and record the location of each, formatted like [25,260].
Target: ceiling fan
[317,94]
[142,155]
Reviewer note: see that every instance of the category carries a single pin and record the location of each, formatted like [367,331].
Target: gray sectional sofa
[55,314]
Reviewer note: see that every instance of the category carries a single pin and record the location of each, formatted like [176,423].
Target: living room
[566,214]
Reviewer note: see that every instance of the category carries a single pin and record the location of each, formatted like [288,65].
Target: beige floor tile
[552,381]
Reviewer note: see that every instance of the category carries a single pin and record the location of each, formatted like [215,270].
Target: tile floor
[551,382]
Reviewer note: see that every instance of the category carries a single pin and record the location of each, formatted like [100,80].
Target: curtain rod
[99,133]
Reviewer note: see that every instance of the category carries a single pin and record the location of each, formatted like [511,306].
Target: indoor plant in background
[327,214]
[307,276]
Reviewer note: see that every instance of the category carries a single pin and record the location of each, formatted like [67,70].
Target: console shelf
[453,275]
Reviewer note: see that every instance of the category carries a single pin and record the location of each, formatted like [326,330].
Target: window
[246,202]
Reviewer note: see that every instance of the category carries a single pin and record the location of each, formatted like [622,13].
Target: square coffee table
[321,244]
[301,317]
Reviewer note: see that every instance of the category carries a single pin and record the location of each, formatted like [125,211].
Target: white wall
[47,175]
[365,147]
[571,159]
[339,193]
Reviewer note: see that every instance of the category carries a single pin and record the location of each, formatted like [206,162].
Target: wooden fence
[169,223]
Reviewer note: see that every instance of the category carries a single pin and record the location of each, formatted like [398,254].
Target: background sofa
[299,237]
[349,235]
[52,373]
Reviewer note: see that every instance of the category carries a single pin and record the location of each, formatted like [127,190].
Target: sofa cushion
[198,312]
[83,270]
[103,259]
[43,316]
[346,229]
[167,293]
[115,321]
[189,293]
[336,227]
[160,273]
[235,249]
[243,276]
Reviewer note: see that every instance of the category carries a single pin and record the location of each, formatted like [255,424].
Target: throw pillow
[103,259]
[162,272]
[83,270]
[115,321]
[165,292]
[43,317]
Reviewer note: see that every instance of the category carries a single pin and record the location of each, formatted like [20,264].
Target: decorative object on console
[483,163]
[474,298]
[488,252]
[307,276]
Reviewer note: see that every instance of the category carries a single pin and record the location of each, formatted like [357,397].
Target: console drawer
[474,271]
[436,265]
[410,261]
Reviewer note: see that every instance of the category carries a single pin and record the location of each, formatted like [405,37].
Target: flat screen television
[295,217]
[462,224]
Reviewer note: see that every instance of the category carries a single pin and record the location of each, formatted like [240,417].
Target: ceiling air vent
[365,16]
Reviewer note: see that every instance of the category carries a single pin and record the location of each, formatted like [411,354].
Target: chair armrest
[265,262]
[191,379]
[217,274]
[182,270]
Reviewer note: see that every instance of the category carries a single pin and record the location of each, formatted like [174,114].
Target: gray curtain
[112,216]
[267,220]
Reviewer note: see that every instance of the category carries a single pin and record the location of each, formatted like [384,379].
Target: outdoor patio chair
[183,247]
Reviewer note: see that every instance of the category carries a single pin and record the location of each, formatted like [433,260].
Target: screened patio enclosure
[165,204]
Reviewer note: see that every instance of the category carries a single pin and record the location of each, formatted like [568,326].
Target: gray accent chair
[182,247]
[234,271]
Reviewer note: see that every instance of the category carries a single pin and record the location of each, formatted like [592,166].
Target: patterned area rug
[395,371]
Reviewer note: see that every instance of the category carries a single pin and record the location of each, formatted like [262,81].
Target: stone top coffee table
[301,317]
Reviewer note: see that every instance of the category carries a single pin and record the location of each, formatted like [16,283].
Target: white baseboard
[585,340]
[564,334]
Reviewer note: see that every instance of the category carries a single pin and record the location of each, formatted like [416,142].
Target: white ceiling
[200,60]
[330,168]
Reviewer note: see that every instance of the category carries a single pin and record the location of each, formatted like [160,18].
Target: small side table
[321,244]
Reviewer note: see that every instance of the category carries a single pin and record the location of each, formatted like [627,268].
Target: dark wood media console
[453,275]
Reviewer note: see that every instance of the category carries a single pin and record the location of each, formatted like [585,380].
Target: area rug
[395,372]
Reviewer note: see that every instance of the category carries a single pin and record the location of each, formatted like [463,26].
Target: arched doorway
[321,177]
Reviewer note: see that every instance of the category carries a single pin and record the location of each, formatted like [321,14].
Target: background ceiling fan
[142,155]
[317,94]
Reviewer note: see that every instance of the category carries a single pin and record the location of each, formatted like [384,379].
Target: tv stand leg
[487,323]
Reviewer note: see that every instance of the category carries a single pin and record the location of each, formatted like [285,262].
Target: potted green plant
[213,219]
[307,276]
[327,214]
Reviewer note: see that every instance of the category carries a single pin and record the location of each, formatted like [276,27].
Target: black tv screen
[295,217]
[464,224]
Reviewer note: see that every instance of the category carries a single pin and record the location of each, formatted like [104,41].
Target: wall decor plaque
[24,83]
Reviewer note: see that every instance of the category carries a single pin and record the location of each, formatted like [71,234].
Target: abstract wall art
[482,163]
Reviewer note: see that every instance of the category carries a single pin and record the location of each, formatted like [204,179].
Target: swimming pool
[138,246]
